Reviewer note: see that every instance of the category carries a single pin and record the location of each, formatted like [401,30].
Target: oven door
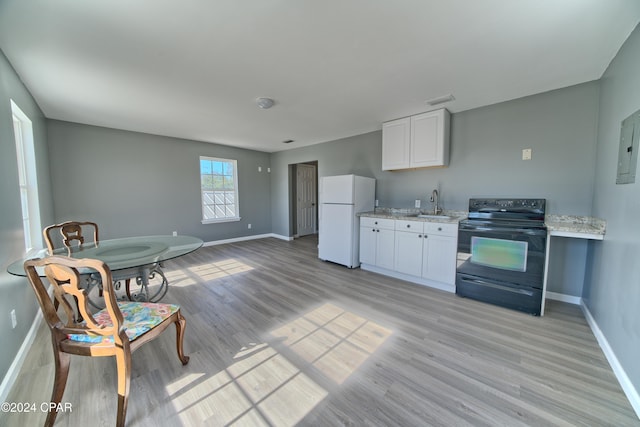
[502,265]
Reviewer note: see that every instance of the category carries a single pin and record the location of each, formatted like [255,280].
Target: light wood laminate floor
[279,338]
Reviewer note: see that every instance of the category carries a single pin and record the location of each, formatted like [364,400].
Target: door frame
[293,199]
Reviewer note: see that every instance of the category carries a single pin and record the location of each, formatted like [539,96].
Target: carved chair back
[66,275]
[70,232]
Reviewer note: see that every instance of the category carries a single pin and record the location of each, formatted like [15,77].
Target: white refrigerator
[341,198]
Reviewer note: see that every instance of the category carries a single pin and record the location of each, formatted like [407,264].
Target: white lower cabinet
[439,252]
[437,262]
[422,252]
[377,237]
[408,241]
[384,249]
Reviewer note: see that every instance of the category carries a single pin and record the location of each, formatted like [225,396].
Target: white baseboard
[626,384]
[281,237]
[245,238]
[18,361]
[564,298]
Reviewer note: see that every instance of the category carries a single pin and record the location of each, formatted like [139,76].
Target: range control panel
[515,209]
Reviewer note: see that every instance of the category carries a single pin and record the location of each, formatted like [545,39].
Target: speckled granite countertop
[450,217]
[582,227]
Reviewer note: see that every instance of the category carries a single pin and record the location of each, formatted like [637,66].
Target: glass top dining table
[128,258]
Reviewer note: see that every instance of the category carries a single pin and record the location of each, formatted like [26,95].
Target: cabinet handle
[373,229]
[376,223]
[419,236]
[425,236]
[408,225]
[439,228]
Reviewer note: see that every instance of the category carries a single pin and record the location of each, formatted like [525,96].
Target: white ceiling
[336,68]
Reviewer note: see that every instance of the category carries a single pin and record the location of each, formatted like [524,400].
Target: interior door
[306,196]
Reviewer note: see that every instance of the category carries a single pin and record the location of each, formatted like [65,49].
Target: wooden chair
[117,330]
[71,231]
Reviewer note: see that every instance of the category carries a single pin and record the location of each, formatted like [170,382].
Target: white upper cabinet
[416,142]
[396,144]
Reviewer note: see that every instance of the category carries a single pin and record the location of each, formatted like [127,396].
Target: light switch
[526,154]
[417,203]
[259,168]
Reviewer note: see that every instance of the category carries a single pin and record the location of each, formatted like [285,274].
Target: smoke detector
[265,103]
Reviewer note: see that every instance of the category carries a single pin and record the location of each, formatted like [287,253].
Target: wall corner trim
[626,384]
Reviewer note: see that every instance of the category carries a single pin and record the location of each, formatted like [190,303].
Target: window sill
[218,220]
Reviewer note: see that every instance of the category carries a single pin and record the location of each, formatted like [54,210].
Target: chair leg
[62,362]
[123,364]
[181,324]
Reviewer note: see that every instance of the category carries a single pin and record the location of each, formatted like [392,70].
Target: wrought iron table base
[150,279]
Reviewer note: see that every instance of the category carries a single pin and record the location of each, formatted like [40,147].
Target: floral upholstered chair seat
[139,317]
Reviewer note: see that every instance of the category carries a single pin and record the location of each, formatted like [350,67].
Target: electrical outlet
[175,233]
[526,154]
[14,320]
[417,203]
[249,226]
[377,204]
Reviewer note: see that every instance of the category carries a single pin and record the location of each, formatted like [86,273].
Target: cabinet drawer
[441,229]
[410,226]
[382,223]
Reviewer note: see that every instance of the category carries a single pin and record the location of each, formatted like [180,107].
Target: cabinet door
[439,258]
[368,238]
[396,140]
[430,139]
[408,253]
[385,248]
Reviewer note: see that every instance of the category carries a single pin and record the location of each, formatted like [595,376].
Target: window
[219,188]
[27,178]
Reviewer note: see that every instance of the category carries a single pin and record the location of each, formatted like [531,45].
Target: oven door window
[499,253]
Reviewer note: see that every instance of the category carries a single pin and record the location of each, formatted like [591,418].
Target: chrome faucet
[437,210]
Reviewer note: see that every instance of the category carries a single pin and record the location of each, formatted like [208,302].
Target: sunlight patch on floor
[210,271]
[178,278]
[333,340]
[263,387]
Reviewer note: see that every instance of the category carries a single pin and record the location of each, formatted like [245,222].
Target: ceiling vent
[440,100]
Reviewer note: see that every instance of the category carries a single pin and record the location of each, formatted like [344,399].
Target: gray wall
[612,285]
[486,151]
[139,184]
[15,292]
